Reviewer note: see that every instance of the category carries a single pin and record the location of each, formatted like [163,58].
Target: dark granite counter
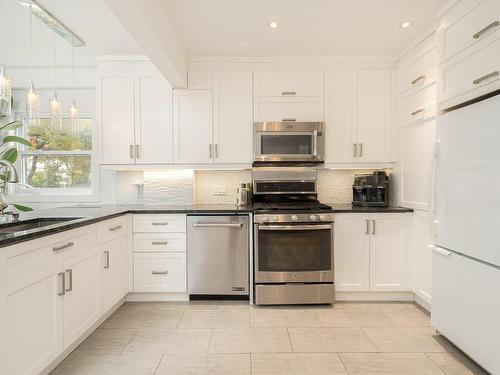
[90,214]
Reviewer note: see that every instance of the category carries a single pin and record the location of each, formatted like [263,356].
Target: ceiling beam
[148,23]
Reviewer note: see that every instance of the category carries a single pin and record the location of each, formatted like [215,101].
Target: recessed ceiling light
[405,24]
[273,25]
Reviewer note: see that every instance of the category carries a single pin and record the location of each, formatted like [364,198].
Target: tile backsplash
[184,187]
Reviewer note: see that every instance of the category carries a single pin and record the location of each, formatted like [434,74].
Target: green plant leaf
[11,126]
[10,155]
[16,139]
[22,208]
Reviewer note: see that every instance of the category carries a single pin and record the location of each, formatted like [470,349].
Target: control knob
[313,217]
[322,218]
[275,218]
[294,218]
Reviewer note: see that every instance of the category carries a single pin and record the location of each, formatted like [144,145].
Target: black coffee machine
[371,190]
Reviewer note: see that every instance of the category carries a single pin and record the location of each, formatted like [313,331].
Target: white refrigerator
[465,220]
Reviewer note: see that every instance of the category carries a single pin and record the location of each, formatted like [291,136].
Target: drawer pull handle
[106,259]
[486,29]
[159,242]
[62,247]
[421,110]
[367,226]
[487,76]
[289,120]
[112,229]
[360,150]
[163,223]
[70,283]
[159,272]
[373,227]
[288,93]
[354,150]
[422,77]
[62,284]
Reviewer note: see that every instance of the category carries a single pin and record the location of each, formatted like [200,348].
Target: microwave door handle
[315,143]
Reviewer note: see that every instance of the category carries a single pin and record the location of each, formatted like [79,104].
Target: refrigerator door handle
[432,187]
[440,250]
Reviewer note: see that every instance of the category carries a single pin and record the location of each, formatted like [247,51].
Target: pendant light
[5,84]
[74,111]
[54,103]
[32,98]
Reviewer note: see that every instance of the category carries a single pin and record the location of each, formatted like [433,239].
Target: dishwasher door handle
[218,225]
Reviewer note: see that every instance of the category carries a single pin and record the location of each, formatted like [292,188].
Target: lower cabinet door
[32,319]
[352,252]
[113,275]
[160,272]
[388,252]
[82,294]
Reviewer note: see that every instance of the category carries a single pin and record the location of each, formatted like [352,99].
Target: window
[60,160]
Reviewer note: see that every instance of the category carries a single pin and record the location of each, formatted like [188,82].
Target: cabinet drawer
[160,272]
[293,83]
[159,242]
[469,23]
[159,223]
[420,72]
[113,228]
[293,109]
[420,106]
[472,74]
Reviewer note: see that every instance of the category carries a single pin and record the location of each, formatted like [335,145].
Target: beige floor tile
[169,341]
[229,305]
[297,364]
[110,365]
[283,318]
[353,318]
[106,341]
[330,340]
[166,306]
[408,340]
[382,306]
[215,319]
[389,363]
[205,364]
[411,317]
[250,340]
[456,364]
[144,319]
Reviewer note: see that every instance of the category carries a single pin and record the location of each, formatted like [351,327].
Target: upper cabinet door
[233,117]
[288,109]
[153,131]
[117,118]
[374,107]
[193,140]
[340,116]
[291,83]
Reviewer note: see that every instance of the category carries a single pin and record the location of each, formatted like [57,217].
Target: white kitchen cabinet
[388,252]
[370,252]
[114,274]
[340,116]
[288,109]
[233,124]
[288,83]
[419,67]
[352,252]
[159,242]
[159,223]
[422,256]
[200,80]
[160,272]
[193,135]
[374,108]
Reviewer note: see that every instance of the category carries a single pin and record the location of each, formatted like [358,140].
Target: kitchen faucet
[13,178]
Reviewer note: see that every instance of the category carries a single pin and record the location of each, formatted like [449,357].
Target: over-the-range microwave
[289,141]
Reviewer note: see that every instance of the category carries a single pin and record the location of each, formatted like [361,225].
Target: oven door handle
[295,227]
[315,143]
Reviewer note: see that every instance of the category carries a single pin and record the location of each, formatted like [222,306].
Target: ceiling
[305,27]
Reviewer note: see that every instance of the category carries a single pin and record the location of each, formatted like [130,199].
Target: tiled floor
[232,338]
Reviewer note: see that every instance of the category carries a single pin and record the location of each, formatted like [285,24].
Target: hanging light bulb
[5,84]
[74,111]
[54,103]
[32,98]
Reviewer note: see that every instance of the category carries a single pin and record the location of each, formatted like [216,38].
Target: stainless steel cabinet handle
[360,150]
[289,120]
[288,93]
[131,151]
[62,247]
[354,150]
[216,150]
[295,227]
[218,225]
[484,78]
[70,278]
[137,151]
[418,79]
[373,226]
[112,229]
[159,273]
[106,259]
[160,223]
[62,284]
[421,110]
[487,28]
[210,153]
[159,242]
[367,226]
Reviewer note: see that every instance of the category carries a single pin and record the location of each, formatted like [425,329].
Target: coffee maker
[371,190]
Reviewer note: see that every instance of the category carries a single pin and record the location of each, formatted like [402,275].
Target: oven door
[289,146]
[293,253]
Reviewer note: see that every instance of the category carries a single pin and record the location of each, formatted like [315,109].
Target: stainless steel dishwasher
[218,255]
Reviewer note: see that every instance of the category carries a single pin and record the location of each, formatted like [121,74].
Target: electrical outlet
[219,190]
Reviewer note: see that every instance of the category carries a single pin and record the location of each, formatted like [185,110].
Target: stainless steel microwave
[289,141]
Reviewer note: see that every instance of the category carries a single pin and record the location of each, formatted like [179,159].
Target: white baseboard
[422,302]
[157,297]
[375,296]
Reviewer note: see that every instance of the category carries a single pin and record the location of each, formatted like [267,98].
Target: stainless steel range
[293,238]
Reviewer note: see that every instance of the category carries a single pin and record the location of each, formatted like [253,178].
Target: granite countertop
[90,214]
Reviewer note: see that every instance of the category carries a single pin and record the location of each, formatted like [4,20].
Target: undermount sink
[29,224]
